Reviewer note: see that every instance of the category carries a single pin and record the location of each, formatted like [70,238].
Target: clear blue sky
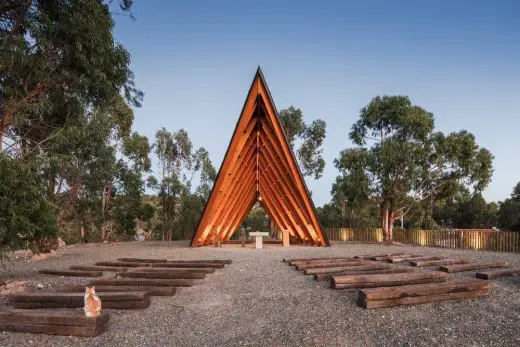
[194,60]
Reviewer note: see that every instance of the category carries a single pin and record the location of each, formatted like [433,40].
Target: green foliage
[400,161]
[179,207]
[26,214]
[310,136]
[256,220]
[509,214]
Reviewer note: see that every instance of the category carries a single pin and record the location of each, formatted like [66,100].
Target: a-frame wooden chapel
[259,165]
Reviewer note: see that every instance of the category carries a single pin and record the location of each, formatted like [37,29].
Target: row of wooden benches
[381,285]
[135,281]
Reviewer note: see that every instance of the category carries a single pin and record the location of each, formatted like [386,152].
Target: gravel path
[260,301]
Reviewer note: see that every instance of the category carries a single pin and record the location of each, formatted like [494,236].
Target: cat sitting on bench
[92,303]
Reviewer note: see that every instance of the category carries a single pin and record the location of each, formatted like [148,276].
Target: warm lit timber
[71,273]
[381,255]
[161,274]
[438,262]
[326,276]
[422,293]
[489,275]
[342,268]
[259,166]
[385,280]
[53,322]
[473,266]
[401,259]
[331,264]
[152,290]
[290,260]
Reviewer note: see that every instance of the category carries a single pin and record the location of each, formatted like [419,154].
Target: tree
[180,207]
[310,136]
[26,214]
[66,93]
[400,160]
[58,60]
[509,211]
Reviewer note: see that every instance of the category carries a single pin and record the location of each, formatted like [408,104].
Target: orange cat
[92,303]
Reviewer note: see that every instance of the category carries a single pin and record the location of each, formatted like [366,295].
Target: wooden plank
[71,273]
[473,266]
[387,257]
[172,270]
[489,275]
[333,269]
[424,299]
[367,257]
[438,262]
[152,290]
[385,280]
[290,260]
[422,293]
[327,265]
[326,276]
[52,329]
[162,274]
[99,268]
[141,260]
[400,259]
[121,264]
[142,282]
[189,265]
[384,293]
[323,261]
[53,322]
[73,297]
[120,305]
[53,317]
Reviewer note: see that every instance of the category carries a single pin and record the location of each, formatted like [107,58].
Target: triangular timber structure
[259,165]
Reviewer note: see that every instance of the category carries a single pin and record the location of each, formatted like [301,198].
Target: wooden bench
[216,261]
[334,269]
[401,259]
[171,269]
[53,322]
[189,265]
[438,262]
[142,282]
[389,257]
[145,260]
[422,293]
[368,257]
[98,268]
[121,264]
[141,260]
[152,290]
[473,266]
[489,275]
[385,280]
[162,274]
[351,262]
[292,260]
[71,273]
[119,300]
[326,276]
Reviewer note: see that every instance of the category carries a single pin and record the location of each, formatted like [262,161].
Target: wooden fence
[499,241]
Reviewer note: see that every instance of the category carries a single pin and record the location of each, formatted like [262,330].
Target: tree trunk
[384,223]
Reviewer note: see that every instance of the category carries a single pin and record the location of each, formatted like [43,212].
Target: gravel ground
[260,301]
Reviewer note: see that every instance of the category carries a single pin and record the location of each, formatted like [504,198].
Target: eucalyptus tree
[309,137]
[509,212]
[180,204]
[400,161]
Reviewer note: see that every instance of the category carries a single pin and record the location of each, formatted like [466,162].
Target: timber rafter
[259,165]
